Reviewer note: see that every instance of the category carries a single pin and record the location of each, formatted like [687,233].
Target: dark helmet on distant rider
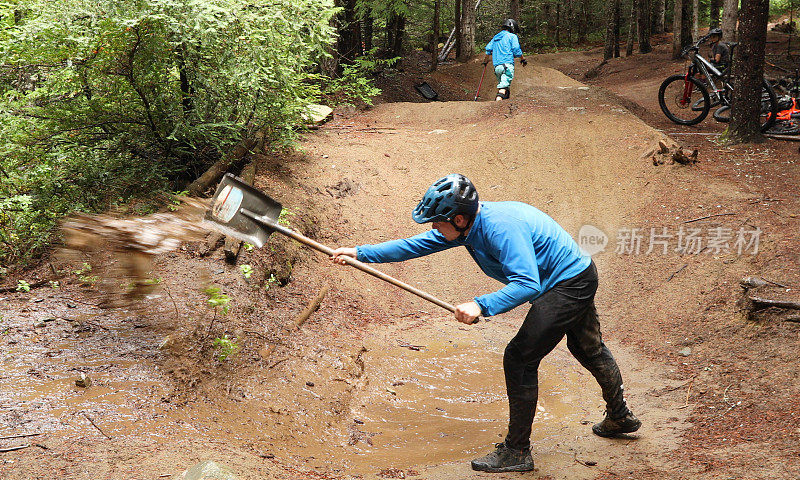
[447,197]
[715,31]
[511,25]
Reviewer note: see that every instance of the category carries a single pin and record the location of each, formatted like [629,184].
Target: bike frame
[700,64]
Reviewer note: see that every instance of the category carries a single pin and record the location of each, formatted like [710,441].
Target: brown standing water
[436,397]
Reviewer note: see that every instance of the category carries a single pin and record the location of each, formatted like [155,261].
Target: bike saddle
[733,44]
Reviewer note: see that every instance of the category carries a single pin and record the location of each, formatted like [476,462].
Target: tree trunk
[730,15]
[612,29]
[644,26]
[457,22]
[677,17]
[187,89]
[435,36]
[617,26]
[748,73]
[569,22]
[695,20]
[659,13]
[584,26]
[713,13]
[390,34]
[400,30]
[514,9]
[681,27]
[558,24]
[686,24]
[631,30]
[368,23]
[467,30]
[548,19]
[348,44]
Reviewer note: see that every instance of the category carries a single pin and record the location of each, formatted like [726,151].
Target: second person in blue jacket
[502,50]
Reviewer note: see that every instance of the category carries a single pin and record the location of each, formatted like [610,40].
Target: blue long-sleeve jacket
[511,242]
[503,47]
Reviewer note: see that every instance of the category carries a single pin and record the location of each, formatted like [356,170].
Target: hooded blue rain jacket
[512,242]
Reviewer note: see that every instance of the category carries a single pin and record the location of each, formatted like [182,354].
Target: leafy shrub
[102,101]
[354,85]
[226,347]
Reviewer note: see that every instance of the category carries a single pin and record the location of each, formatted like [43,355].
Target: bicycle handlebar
[696,45]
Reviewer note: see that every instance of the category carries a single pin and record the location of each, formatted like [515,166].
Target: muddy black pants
[566,309]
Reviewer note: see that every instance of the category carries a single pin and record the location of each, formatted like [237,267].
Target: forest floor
[379,384]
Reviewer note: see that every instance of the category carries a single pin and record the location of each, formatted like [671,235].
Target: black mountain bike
[686,99]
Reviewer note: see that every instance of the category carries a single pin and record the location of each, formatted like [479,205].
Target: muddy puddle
[39,368]
[426,396]
[425,402]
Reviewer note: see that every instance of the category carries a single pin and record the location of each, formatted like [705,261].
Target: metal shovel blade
[225,214]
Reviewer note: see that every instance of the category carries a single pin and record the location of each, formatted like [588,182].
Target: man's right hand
[341,252]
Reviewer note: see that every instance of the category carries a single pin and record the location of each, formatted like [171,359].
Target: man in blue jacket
[502,50]
[539,263]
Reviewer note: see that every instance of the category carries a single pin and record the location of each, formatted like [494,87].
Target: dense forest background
[122,104]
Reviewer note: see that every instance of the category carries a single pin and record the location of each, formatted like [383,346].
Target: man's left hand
[468,312]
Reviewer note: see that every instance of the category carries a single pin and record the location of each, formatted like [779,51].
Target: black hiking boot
[504,459]
[611,427]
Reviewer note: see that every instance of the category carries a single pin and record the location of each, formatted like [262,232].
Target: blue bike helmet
[447,197]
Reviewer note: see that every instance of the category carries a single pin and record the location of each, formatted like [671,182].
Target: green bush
[102,101]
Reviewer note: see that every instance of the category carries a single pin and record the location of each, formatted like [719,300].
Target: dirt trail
[379,384]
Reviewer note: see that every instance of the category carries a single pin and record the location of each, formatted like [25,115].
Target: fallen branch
[213,242]
[791,138]
[175,305]
[694,133]
[213,174]
[409,346]
[95,425]
[766,303]
[677,271]
[22,435]
[775,283]
[11,449]
[310,308]
[749,304]
[279,362]
[709,216]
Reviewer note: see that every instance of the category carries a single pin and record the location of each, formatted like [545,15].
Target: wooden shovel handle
[349,260]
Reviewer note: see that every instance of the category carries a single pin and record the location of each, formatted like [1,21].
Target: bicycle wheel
[675,98]
[769,108]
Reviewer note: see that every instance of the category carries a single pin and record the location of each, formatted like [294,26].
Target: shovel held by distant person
[481,82]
